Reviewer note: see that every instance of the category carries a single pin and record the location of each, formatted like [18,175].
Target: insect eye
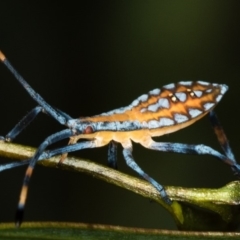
[88,130]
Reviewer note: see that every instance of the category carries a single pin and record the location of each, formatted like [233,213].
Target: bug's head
[80,126]
[88,129]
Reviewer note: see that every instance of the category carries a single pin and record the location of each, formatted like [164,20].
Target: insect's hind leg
[221,136]
[199,149]
[127,153]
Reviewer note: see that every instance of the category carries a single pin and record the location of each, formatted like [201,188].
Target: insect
[160,111]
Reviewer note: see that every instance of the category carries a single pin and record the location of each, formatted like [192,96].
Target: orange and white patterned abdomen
[170,108]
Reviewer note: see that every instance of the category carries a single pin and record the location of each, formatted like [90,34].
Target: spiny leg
[23,195]
[191,149]
[47,108]
[127,153]
[221,136]
[112,155]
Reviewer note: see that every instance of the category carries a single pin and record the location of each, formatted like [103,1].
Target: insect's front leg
[23,194]
[127,153]
[22,124]
[51,153]
[40,154]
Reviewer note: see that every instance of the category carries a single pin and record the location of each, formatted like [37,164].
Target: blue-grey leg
[67,117]
[18,128]
[25,121]
[112,155]
[23,195]
[7,166]
[192,149]
[50,153]
[22,124]
[127,153]
[47,108]
[221,136]
[69,148]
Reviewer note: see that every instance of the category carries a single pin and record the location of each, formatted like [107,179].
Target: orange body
[161,111]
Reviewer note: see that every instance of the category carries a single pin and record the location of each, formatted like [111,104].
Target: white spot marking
[207,106]
[120,110]
[144,124]
[153,107]
[209,90]
[181,96]
[187,83]
[127,125]
[194,112]
[198,93]
[224,88]
[110,125]
[163,103]
[116,111]
[180,118]
[169,86]
[143,98]
[218,98]
[143,110]
[203,83]
[153,124]
[155,91]
[165,122]
[135,103]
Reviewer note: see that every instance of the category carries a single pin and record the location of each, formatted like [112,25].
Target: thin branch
[215,200]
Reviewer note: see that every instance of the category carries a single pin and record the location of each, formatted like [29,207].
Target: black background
[93,56]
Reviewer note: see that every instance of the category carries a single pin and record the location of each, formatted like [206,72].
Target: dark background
[95,56]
